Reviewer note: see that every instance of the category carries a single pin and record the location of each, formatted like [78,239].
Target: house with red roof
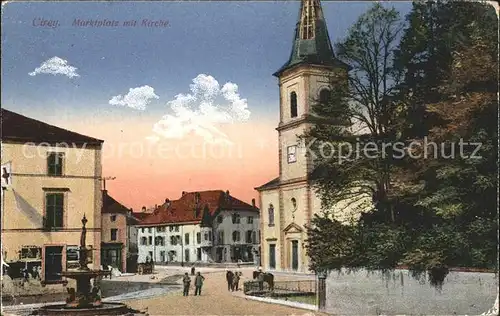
[201,227]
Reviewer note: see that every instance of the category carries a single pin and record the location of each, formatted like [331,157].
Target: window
[173,240]
[206,236]
[324,96]
[293,104]
[219,219]
[142,230]
[198,238]
[150,230]
[162,256]
[250,220]
[55,164]
[150,240]
[291,152]
[186,238]
[221,237]
[151,255]
[171,228]
[144,241]
[248,237]
[254,237]
[271,215]
[114,234]
[177,228]
[236,236]
[236,218]
[186,255]
[159,241]
[160,229]
[113,218]
[54,209]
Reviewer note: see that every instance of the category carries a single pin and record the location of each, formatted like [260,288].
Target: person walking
[192,269]
[236,281]
[187,282]
[198,283]
[260,278]
[229,279]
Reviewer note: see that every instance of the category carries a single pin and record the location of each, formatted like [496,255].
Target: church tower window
[293,104]
[324,96]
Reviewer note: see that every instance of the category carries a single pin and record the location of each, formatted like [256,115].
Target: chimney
[144,209]
[156,206]
[167,203]
[253,202]
[183,193]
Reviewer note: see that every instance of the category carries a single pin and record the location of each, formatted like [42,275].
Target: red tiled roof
[183,209]
[140,215]
[19,128]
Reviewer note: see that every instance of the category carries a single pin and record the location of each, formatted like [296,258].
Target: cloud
[136,98]
[55,66]
[199,112]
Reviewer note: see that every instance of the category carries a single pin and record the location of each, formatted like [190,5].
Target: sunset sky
[188,106]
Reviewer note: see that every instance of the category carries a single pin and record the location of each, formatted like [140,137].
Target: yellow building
[289,201]
[55,179]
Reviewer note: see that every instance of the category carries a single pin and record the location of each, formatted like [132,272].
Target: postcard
[249,158]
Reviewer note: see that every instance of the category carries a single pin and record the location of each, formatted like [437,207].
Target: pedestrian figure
[187,282]
[198,283]
[229,279]
[192,270]
[260,278]
[236,281]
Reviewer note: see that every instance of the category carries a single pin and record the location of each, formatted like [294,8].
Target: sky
[184,97]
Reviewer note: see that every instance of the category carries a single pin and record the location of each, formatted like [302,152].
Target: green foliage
[438,83]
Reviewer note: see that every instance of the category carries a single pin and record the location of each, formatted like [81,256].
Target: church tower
[303,80]
[288,202]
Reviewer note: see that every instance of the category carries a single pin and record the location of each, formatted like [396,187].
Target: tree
[430,213]
[347,174]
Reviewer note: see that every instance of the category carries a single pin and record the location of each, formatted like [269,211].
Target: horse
[268,278]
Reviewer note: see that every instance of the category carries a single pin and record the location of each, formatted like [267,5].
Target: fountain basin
[104,309]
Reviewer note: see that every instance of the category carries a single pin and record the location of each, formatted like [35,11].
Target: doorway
[53,263]
[272,257]
[295,255]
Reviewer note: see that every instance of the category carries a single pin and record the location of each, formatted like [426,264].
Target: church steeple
[311,43]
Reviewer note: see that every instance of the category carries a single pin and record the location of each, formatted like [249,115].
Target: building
[119,235]
[55,182]
[206,226]
[289,201]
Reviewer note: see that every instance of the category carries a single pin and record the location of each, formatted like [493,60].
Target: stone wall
[377,293]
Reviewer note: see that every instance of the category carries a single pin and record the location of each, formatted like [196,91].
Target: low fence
[297,287]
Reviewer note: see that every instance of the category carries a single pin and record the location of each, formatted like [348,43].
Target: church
[289,201]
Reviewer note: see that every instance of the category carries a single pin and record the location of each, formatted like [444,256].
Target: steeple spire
[311,43]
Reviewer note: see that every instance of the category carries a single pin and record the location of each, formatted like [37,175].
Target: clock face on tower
[292,153]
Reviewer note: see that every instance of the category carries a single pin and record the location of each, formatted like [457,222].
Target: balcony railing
[281,287]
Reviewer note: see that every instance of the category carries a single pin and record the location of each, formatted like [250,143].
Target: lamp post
[182,246]
[321,274]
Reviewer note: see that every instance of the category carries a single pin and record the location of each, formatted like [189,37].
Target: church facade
[289,201]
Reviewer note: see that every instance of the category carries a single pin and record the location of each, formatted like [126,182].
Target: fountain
[85,300]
